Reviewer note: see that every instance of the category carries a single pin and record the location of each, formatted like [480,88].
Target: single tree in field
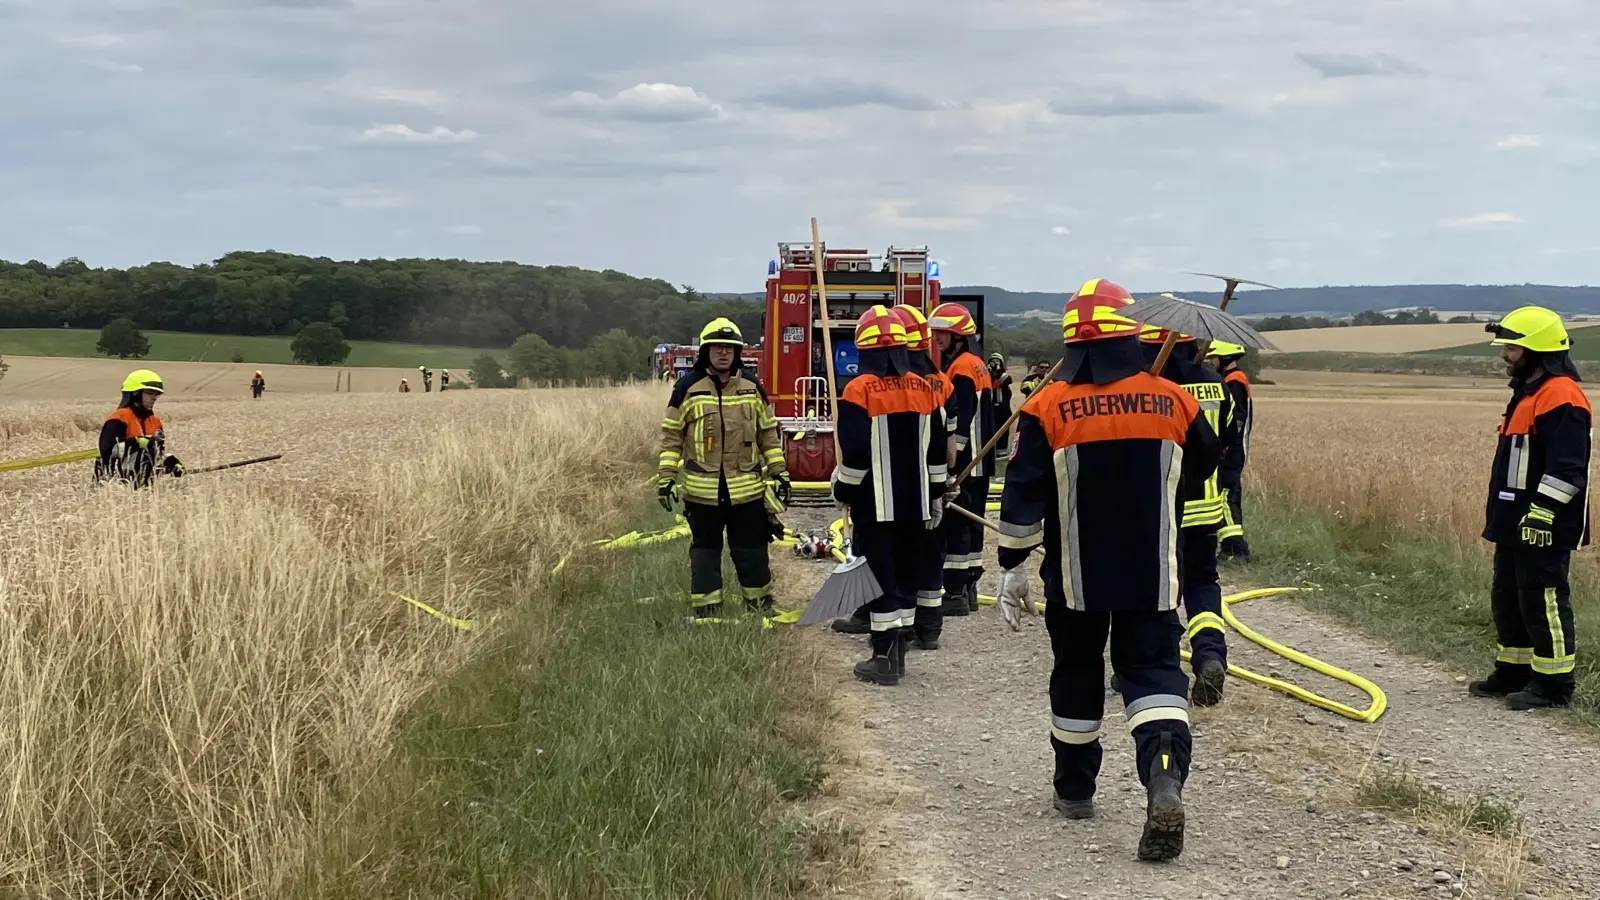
[320,344]
[486,372]
[123,339]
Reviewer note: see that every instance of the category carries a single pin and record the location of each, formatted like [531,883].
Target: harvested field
[1378,338]
[68,378]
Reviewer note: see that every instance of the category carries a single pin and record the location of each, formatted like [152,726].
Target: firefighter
[133,438]
[1235,451]
[405,386]
[719,434]
[427,379]
[257,385]
[444,380]
[1000,379]
[1115,446]
[1035,379]
[1203,514]
[971,405]
[930,578]
[891,476]
[1537,512]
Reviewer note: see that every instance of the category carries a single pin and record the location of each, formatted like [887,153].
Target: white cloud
[1481,220]
[1060,229]
[439,134]
[1519,141]
[644,102]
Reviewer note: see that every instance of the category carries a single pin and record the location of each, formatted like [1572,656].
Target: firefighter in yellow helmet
[1097,476]
[133,437]
[1537,512]
[719,447]
[1235,449]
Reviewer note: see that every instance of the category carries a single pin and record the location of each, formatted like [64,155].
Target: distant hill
[1326,301]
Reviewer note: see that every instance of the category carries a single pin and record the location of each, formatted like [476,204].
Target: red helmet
[877,329]
[918,335]
[1091,313]
[952,317]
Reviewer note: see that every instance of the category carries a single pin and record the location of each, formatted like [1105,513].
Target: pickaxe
[1227,295]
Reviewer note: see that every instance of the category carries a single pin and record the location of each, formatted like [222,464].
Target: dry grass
[1378,338]
[199,678]
[73,378]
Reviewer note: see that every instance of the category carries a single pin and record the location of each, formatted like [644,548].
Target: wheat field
[198,679]
[72,378]
[1378,338]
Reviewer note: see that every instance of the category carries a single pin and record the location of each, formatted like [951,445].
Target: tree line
[436,301]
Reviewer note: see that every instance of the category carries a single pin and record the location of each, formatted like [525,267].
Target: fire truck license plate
[794,334]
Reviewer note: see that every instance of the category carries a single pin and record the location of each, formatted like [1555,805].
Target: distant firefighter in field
[257,385]
[1235,450]
[405,386]
[427,379]
[133,437]
[444,380]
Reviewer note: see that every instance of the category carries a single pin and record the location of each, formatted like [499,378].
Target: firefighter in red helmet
[971,407]
[891,475]
[1113,446]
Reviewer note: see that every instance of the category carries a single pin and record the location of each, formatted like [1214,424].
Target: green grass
[185,347]
[602,749]
[1585,345]
[1426,594]
[1405,793]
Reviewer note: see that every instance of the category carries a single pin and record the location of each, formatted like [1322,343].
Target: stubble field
[76,378]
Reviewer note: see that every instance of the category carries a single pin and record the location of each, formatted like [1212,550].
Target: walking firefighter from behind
[1235,449]
[1112,448]
[971,405]
[1537,512]
[719,446]
[133,437]
[891,475]
[1204,511]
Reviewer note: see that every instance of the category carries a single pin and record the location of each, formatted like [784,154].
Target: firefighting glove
[1011,594]
[935,513]
[1536,527]
[172,467]
[952,489]
[666,493]
[785,487]
[143,442]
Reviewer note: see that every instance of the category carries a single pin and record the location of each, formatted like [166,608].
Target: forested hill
[436,301]
[1337,301]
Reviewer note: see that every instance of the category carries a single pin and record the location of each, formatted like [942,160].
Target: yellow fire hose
[59,458]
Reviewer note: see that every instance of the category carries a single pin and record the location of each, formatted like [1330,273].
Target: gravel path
[950,774]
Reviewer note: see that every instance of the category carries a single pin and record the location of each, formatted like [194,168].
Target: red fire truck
[793,360]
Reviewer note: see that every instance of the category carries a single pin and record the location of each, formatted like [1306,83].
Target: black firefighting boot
[954,603]
[1540,694]
[1075,809]
[972,595]
[923,641]
[764,605]
[856,623]
[1116,684]
[880,668]
[709,611]
[1164,818]
[898,654]
[1234,548]
[1209,678]
[1500,683]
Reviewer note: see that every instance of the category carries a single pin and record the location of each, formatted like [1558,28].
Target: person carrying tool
[891,477]
[720,435]
[1000,380]
[1115,446]
[133,437]
[1235,451]
[405,386]
[971,405]
[1204,510]
[1035,379]
[1537,512]
[444,380]
[930,579]
[257,385]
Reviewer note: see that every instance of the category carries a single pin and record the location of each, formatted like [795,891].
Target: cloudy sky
[1030,143]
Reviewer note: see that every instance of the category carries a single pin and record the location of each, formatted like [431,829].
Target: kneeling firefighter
[720,435]
[1537,512]
[1204,510]
[971,405]
[1115,446]
[133,437]
[891,475]
[1230,474]
[930,572]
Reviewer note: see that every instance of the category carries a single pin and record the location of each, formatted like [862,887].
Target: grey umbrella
[1206,323]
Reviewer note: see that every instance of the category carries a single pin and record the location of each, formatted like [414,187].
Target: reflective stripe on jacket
[715,435]
[891,448]
[1542,457]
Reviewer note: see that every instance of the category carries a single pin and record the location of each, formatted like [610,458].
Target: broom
[851,583]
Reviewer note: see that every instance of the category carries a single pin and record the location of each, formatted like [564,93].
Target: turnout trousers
[1202,597]
[930,583]
[1532,606]
[894,552]
[1228,481]
[963,538]
[1144,654]
[746,527]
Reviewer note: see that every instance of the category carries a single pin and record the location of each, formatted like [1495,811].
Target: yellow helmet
[1532,327]
[721,331]
[1223,349]
[142,380]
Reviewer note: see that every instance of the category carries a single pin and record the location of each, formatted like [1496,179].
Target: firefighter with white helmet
[1537,512]
[1096,475]
[719,448]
